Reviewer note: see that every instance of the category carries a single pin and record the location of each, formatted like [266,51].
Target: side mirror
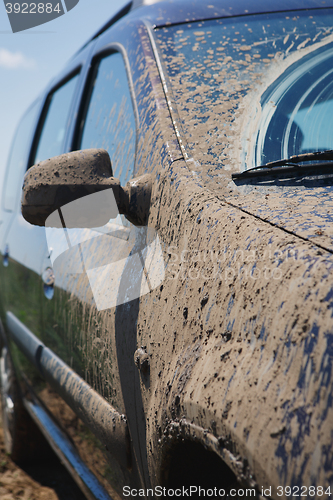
[61,180]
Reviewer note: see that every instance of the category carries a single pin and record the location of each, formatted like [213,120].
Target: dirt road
[43,481]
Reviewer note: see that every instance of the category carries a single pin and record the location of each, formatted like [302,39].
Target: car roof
[162,12]
[165,12]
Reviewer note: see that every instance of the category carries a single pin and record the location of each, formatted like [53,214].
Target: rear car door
[24,245]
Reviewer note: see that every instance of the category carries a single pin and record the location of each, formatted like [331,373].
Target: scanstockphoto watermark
[227,265]
[160,491]
[89,237]
[24,15]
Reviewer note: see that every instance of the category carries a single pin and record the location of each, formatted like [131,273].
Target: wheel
[23,439]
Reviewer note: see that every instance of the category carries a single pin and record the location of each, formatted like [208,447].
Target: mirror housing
[60,180]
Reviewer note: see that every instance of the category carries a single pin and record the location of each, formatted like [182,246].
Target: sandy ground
[46,481]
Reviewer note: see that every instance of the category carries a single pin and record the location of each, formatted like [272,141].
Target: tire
[23,439]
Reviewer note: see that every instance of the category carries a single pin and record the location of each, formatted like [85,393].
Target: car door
[27,275]
[24,246]
[16,165]
[107,121]
[79,320]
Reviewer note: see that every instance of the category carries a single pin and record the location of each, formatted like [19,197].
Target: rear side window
[56,118]
[18,158]
[108,119]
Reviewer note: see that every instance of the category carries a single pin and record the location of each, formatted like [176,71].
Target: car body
[190,346]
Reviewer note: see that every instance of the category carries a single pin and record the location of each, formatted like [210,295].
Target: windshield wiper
[292,162]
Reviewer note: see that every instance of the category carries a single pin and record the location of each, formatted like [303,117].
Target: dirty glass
[51,141]
[109,122]
[252,89]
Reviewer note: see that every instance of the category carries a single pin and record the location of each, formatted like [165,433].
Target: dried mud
[245,339]
[37,481]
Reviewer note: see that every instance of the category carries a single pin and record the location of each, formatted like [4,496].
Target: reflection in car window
[109,121]
[297,109]
[52,137]
[19,153]
[220,71]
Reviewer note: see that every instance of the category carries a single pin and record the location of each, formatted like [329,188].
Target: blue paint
[228,386]
[289,457]
[328,298]
[262,333]
[288,344]
[209,311]
[309,346]
[299,479]
[278,259]
[326,367]
[230,325]
[286,404]
[327,453]
[230,304]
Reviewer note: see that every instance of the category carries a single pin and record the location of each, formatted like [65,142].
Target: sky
[31,58]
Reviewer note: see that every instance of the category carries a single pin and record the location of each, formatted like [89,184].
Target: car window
[255,88]
[108,120]
[18,157]
[297,109]
[52,137]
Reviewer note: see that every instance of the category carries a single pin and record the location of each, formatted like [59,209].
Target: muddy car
[166,287]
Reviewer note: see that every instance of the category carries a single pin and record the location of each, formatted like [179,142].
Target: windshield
[252,89]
